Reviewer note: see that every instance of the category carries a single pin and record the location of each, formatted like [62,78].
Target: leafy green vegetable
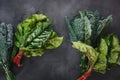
[88,50]
[91,54]
[34,36]
[6,42]
[101,63]
[115,49]
[102,55]
[85,28]
[109,50]
[118,61]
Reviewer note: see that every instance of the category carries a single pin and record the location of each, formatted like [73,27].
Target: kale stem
[8,73]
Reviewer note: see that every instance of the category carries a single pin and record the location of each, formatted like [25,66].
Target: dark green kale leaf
[86,26]
[6,42]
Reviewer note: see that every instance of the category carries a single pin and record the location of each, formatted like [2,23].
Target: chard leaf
[29,28]
[86,49]
[113,57]
[101,63]
[115,50]
[34,52]
[34,36]
[54,41]
[35,33]
[118,61]
[103,48]
[39,40]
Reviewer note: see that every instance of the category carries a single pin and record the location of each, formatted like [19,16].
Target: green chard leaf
[101,63]
[34,36]
[115,50]
[118,61]
[86,49]
[108,52]
[54,41]
[30,28]
[91,54]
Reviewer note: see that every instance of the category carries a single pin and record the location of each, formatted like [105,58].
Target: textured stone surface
[63,62]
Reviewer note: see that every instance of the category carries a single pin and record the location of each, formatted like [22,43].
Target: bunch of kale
[6,43]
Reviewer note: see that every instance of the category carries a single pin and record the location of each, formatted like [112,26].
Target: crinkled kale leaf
[6,42]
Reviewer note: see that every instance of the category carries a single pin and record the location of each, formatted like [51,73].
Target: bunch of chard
[6,43]
[83,30]
[34,36]
[103,57]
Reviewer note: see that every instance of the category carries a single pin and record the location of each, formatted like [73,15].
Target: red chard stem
[88,73]
[18,57]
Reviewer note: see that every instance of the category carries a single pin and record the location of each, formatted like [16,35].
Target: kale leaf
[6,43]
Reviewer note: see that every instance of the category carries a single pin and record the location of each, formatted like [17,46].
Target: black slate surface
[61,63]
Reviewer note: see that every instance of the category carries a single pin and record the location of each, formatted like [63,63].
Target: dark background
[61,63]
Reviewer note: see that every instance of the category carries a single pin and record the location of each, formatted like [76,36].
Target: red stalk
[88,73]
[18,57]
